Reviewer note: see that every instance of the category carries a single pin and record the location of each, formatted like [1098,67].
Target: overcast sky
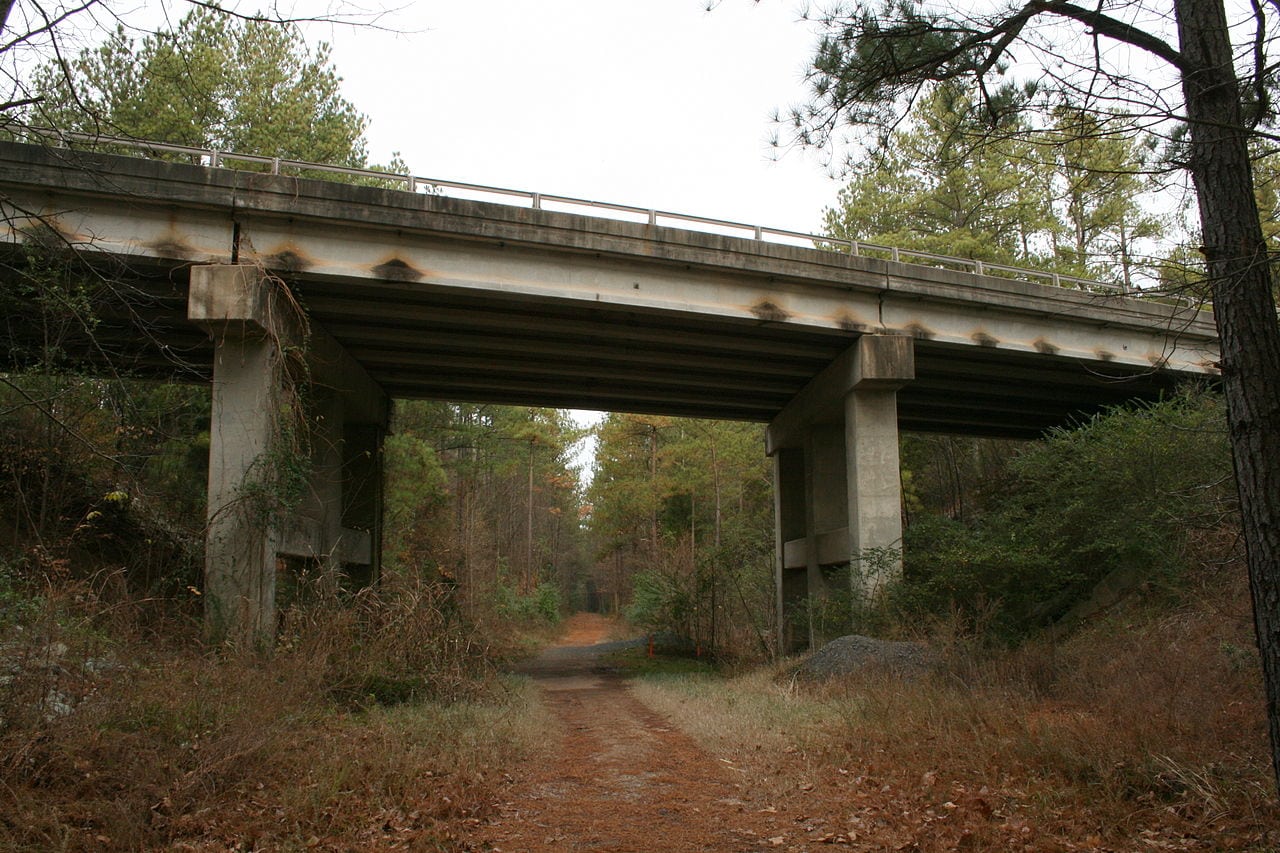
[655,103]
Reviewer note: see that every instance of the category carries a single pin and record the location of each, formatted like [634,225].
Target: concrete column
[883,365]
[826,513]
[363,500]
[338,520]
[314,532]
[874,489]
[327,475]
[235,304]
[791,585]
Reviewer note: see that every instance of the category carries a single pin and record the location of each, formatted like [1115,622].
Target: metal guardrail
[213,158]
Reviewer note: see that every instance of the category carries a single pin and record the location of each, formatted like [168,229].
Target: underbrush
[1145,730]
[378,722]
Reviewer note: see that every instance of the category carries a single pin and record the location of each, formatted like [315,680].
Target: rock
[855,653]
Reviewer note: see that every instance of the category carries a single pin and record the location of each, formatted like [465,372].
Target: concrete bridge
[403,294]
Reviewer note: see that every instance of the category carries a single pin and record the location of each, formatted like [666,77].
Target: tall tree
[1099,175]
[213,81]
[875,57]
[935,186]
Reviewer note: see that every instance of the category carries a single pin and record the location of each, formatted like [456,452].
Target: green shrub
[1118,492]
[540,605]
[659,602]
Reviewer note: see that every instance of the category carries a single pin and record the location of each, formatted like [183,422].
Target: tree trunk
[528,531]
[1245,312]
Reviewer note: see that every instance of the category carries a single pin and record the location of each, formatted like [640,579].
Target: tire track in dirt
[621,779]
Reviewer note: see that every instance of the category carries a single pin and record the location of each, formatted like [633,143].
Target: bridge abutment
[839,490]
[293,471]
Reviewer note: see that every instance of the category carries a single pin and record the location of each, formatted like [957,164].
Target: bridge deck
[452,299]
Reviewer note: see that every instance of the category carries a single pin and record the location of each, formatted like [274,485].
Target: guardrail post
[759,233]
[978,268]
[213,159]
[653,217]
[537,200]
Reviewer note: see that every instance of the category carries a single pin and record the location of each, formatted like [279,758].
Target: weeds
[379,719]
[1146,726]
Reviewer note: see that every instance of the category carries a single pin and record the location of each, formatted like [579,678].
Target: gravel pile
[855,653]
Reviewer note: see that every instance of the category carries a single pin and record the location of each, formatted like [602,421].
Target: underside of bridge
[427,342]
[221,277]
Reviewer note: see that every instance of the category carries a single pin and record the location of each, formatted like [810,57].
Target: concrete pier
[839,492]
[235,306]
[250,522]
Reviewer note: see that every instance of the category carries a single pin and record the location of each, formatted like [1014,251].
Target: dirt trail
[621,779]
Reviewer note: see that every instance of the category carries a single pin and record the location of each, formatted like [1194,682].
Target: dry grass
[1143,731]
[378,725]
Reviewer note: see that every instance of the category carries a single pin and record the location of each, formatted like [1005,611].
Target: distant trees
[486,498]
[680,518]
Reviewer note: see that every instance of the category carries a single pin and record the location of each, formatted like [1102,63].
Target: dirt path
[621,779]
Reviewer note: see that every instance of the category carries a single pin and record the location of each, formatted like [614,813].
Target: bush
[1121,492]
[540,605]
[659,602]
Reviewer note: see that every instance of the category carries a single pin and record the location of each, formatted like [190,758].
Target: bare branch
[1115,29]
[49,24]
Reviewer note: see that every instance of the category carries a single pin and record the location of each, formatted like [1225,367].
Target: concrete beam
[526,286]
[874,362]
[833,549]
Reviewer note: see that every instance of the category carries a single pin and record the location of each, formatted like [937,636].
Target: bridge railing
[213,158]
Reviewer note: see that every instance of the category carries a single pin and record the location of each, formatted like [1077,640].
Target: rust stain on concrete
[1045,347]
[769,311]
[849,323]
[983,339]
[47,230]
[172,247]
[1104,355]
[397,269]
[920,332]
[287,258]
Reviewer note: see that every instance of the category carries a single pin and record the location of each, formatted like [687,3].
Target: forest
[1087,590]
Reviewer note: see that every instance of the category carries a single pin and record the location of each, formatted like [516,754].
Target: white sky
[654,103]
